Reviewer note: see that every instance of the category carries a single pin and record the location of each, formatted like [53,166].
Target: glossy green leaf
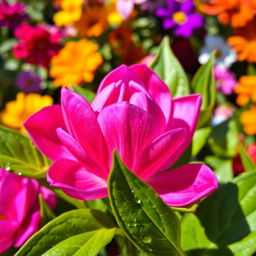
[204,84]
[199,139]
[87,94]
[225,221]
[85,244]
[247,162]
[65,226]
[222,168]
[19,154]
[224,138]
[145,219]
[169,70]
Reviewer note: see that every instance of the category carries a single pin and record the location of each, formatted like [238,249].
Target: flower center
[179,17]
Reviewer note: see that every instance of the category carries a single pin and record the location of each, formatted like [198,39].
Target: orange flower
[75,63]
[246,90]
[237,13]
[248,120]
[244,42]
[93,21]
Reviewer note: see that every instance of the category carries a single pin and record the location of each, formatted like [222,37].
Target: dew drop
[146,239]
[7,168]
[132,191]
[139,201]
[19,173]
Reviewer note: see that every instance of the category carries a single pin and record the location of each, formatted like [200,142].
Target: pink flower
[133,113]
[19,208]
[125,7]
[225,80]
[37,44]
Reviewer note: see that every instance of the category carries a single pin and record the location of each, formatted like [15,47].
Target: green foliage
[204,84]
[19,154]
[145,219]
[225,222]
[72,233]
[247,162]
[87,94]
[199,139]
[169,70]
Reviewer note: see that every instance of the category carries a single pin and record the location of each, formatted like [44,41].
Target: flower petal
[74,179]
[82,124]
[128,129]
[42,129]
[161,149]
[185,185]
[155,86]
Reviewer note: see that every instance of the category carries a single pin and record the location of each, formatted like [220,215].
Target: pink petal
[186,111]
[82,124]
[125,7]
[140,100]
[161,149]
[42,127]
[128,129]
[7,234]
[49,197]
[74,179]
[185,185]
[76,149]
[28,228]
[155,86]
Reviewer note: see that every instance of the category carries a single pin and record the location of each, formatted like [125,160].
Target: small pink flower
[125,7]
[37,44]
[19,208]
[133,113]
[147,60]
[225,80]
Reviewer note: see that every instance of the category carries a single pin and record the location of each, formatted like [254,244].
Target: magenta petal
[42,129]
[122,73]
[128,129]
[185,185]
[28,229]
[161,149]
[155,86]
[74,179]
[7,234]
[82,124]
[76,149]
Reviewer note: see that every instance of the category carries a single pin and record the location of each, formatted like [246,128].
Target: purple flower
[29,81]
[225,80]
[11,15]
[181,17]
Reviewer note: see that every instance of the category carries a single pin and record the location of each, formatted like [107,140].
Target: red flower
[37,44]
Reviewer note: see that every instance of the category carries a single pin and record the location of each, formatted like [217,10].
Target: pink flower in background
[38,44]
[222,113]
[133,113]
[147,60]
[125,7]
[225,80]
[12,14]
[19,208]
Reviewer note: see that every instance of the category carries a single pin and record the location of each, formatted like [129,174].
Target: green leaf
[222,168]
[225,221]
[199,139]
[204,84]
[66,227]
[85,244]
[224,138]
[87,94]
[169,70]
[145,219]
[247,162]
[19,154]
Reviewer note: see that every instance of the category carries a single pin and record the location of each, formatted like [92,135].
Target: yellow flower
[70,13]
[114,18]
[17,111]
[246,90]
[248,120]
[75,63]
[93,21]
